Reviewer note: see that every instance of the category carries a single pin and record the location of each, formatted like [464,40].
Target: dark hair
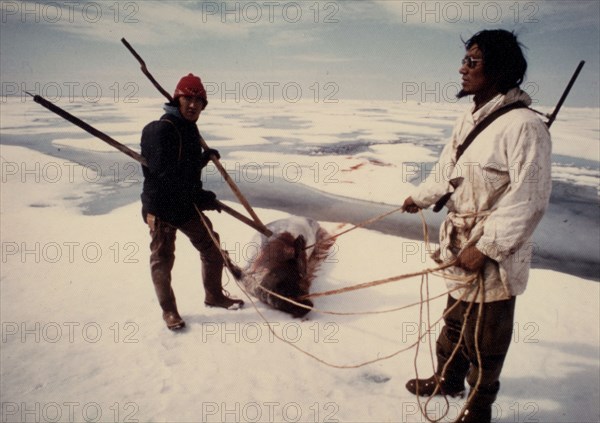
[503,60]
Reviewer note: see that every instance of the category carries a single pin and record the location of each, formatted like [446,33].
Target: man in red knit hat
[172,189]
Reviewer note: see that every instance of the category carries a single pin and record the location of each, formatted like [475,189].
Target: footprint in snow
[374,378]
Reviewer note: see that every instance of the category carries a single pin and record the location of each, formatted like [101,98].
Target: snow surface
[82,335]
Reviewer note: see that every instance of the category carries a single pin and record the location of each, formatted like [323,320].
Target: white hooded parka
[503,195]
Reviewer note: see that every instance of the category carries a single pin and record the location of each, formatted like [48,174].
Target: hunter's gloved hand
[206,156]
[410,206]
[471,259]
[207,200]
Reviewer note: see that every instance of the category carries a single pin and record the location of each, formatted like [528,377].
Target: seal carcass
[283,264]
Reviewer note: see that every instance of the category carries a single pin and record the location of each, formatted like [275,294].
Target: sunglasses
[470,62]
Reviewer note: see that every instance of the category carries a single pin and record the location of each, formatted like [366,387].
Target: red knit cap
[190,85]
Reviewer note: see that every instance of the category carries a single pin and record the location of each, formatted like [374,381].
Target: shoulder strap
[471,137]
[485,123]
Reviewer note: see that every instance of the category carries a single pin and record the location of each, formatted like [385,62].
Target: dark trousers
[495,333]
[162,258]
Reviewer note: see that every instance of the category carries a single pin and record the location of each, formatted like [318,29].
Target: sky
[248,51]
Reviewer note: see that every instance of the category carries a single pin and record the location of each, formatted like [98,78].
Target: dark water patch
[279,122]
[107,200]
[207,135]
[374,110]
[292,145]
[42,143]
[283,140]
[421,123]
[112,190]
[342,148]
[434,144]
[297,199]
[353,135]
[589,164]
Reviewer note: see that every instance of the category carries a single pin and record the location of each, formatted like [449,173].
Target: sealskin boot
[427,387]
[162,258]
[223,301]
[173,320]
[166,299]
[215,295]
[479,408]
[476,415]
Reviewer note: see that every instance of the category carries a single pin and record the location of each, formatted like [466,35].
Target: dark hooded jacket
[172,181]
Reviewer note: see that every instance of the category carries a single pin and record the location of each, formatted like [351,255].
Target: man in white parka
[500,187]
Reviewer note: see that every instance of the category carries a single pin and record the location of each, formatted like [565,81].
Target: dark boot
[452,383]
[493,343]
[435,386]
[225,302]
[479,407]
[475,415]
[166,298]
[162,258]
[212,274]
[173,320]
[212,265]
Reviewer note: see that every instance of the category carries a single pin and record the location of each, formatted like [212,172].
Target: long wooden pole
[88,128]
[565,93]
[214,159]
[134,155]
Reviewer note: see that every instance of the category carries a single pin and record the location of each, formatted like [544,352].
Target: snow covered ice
[82,335]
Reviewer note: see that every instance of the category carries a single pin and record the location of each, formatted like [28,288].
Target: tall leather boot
[215,296]
[479,408]
[212,265]
[162,258]
[166,299]
[452,381]
[494,341]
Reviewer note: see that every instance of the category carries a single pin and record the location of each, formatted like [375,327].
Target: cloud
[565,15]
[163,23]
[292,39]
[150,22]
[318,58]
[448,15]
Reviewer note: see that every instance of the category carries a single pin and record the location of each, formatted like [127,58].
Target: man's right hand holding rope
[470,259]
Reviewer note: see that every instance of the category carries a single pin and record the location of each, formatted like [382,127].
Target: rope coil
[466,282]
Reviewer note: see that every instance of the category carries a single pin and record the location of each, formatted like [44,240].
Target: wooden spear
[565,93]
[552,116]
[134,155]
[214,159]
